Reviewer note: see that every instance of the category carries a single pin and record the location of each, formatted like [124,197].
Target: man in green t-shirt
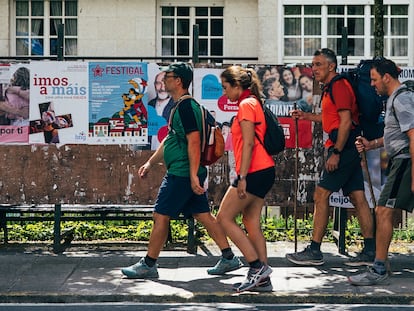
[181,191]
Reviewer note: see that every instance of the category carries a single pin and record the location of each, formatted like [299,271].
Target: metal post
[196,48]
[379,27]
[344,46]
[295,197]
[56,229]
[60,42]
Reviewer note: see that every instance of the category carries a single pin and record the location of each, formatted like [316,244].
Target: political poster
[160,104]
[282,92]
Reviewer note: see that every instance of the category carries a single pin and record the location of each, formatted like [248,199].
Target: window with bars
[37,25]
[177,30]
[309,27]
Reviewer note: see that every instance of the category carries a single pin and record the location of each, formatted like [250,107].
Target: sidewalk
[91,273]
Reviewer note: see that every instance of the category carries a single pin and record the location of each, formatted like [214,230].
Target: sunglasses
[169,76]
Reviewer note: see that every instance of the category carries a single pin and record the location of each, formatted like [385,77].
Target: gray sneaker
[140,271]
[362,259]
[225,265]
[369,277]
[254,277]
[263,286]
[307,257]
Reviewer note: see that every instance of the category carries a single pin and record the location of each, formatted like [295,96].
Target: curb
[222,297]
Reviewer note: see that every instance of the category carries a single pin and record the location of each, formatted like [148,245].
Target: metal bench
[72,212]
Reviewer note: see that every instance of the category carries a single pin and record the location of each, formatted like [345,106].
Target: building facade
[273,31]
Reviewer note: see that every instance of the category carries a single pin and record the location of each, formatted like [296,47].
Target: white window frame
[408,60]
[46,27]
[192,5]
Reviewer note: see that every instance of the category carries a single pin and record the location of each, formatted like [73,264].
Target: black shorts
[260,182]
[348,176]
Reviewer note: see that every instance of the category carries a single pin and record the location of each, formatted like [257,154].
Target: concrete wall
[117,28]
[4,27]
[240,28]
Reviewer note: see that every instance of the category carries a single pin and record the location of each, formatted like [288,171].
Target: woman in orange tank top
[256,174]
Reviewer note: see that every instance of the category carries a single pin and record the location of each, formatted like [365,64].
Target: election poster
[118,103]
[284,88]
[160,104]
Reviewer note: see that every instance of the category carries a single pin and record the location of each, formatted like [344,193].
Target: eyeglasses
[169,76]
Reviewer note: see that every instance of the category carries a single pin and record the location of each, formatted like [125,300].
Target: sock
[315,246]
[379,266]
[369,245]
[227,253]
[257,264]
[150,261]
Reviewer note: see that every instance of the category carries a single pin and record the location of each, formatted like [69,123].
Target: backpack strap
[182,98]
[203,118]
[257,123]
[405,88]
[328,87]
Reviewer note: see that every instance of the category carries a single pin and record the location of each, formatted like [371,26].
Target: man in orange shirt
[343,165]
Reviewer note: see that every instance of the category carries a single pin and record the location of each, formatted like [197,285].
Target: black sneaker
[362,259]
[307,257]
[263,286]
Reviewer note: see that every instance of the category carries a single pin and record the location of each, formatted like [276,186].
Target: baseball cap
[182,70]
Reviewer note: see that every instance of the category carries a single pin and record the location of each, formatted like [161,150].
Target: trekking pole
[295,197]
[371,189]
[365,165]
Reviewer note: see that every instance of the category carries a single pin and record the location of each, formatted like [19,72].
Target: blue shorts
[176,197]
[348,176]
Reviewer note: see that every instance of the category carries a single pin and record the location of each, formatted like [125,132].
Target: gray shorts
[396,192]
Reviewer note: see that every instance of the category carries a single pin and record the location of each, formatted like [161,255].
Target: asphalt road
[200,307]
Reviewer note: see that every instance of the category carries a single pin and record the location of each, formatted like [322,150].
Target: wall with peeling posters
[80,143]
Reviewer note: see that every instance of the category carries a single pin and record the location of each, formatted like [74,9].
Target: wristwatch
[336,151]
[241,177]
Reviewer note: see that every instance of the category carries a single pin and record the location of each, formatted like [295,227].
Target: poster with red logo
[118,103]
[278,83]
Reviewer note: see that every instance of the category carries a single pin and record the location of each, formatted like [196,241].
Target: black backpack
[370,104]
[274,138]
